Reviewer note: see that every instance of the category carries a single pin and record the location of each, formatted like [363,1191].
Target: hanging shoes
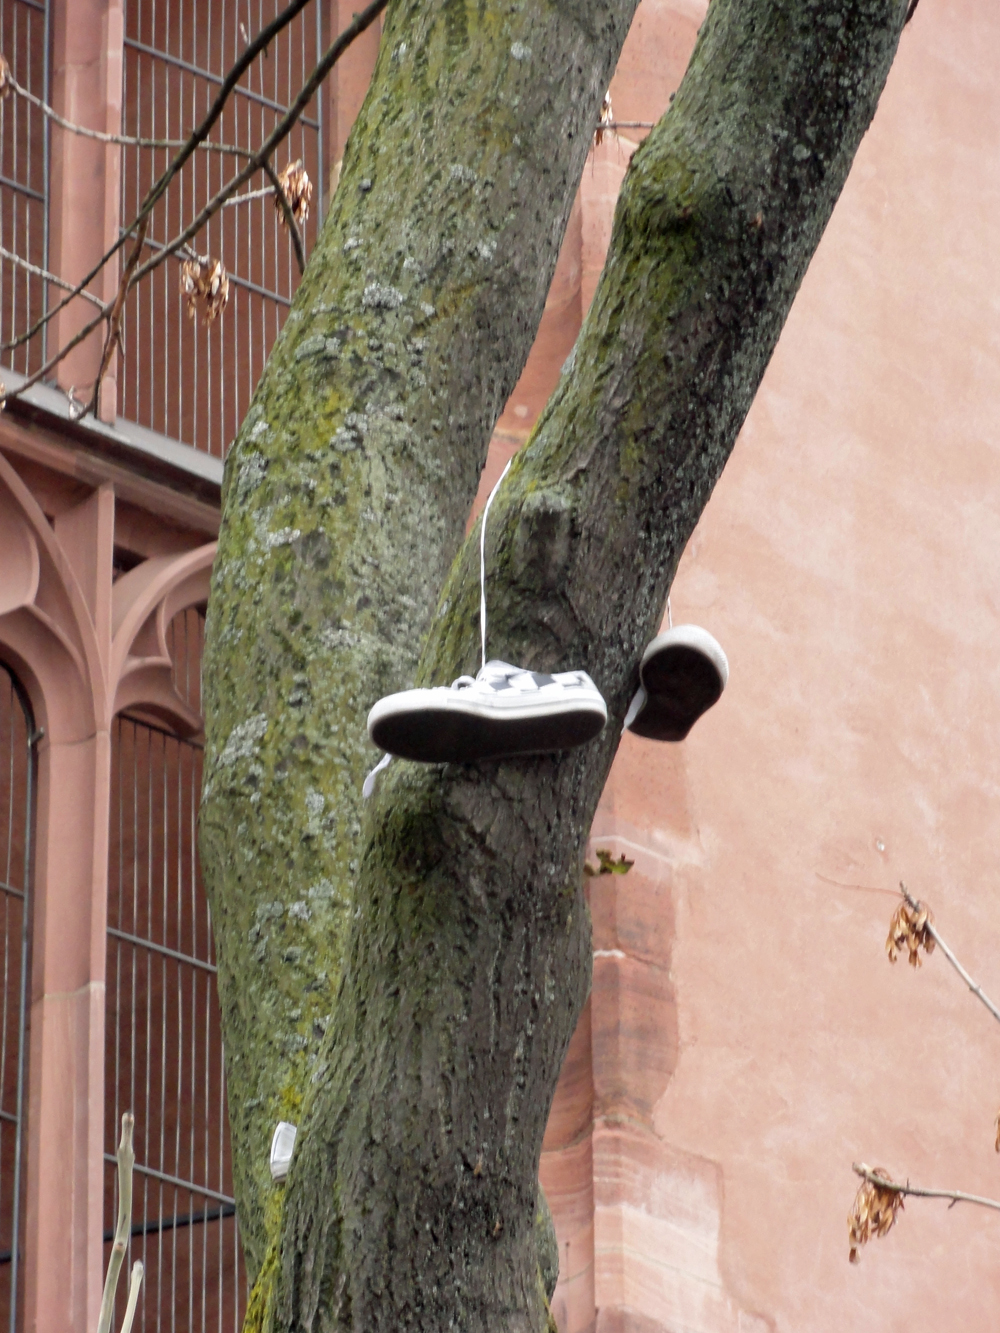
[682,674]
[500,713]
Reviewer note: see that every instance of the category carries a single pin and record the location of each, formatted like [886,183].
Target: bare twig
[932,930]
[115,316]
[126,1161]
[630,125]
[289,216]
[248,196]
[861,888]
[49,277]
[362,21]
[158,188]
[956,1196]
[10,394]
[123,140]
[135,1282]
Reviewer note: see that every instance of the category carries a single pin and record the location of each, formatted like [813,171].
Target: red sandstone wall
[746,1038]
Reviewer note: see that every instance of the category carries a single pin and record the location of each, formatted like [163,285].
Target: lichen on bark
[348,488]
[406,979]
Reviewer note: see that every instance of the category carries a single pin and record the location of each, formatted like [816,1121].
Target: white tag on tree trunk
[282,1145]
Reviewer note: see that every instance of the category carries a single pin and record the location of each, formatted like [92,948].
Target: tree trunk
[411,1200]
[348,490]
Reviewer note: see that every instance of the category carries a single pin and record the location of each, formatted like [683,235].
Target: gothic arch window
[16,819]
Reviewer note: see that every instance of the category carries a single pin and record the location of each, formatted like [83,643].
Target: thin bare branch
[10,394]
[249,196]
[49,277]
[918,1192]
[286,209]
[932,930]
[135,1282]
[115,317]
[862,888]
[158,188]
[362,21]
[123,140]
[126,1161]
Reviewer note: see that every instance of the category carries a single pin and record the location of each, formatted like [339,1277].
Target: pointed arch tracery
[86,648]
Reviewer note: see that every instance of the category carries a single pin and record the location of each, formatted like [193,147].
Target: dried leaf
[910,929]
[997,1127]
[607,118]
[6,87]
[874,1211]
[205,279]
[297,189]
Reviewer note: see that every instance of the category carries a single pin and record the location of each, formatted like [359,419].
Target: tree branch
[115,316]
[932,930]
[123,140]
[918,1192]
[361,23]
[286,209]
[135,1282]
[126,1161]
[48,277]
[158,188]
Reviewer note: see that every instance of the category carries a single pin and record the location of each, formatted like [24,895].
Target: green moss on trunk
[468,958]
[349,485]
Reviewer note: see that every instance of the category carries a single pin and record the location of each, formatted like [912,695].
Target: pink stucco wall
[747,1038]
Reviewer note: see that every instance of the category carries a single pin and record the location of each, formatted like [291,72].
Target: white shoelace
[462,682]
[482,558]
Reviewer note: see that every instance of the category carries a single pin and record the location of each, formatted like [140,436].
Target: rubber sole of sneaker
[455,733]
[682,681]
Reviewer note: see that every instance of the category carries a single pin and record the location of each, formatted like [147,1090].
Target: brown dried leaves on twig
[910,929]
[607,116]
[205,279]
[297,189]
[607,865]
[6,86]
[874,1211]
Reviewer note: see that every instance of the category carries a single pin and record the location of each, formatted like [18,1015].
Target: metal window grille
[163,1040]
[16,811]
[180,377]
[24,178]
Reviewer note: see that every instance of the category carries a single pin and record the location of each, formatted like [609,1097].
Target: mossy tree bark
[403,983]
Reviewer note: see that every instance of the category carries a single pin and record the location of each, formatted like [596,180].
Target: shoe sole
[683,673]
[431,731]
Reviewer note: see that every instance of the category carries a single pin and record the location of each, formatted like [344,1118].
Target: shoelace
[460,682]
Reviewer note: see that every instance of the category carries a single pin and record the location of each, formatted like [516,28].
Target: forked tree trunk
[349,487]
[423,1089]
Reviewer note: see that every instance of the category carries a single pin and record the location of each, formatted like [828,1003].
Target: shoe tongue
[498,668]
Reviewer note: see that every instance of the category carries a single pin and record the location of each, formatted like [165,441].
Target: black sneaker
[682,674]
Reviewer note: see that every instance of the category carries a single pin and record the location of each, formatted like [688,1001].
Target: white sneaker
[502,712]
[682,674]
